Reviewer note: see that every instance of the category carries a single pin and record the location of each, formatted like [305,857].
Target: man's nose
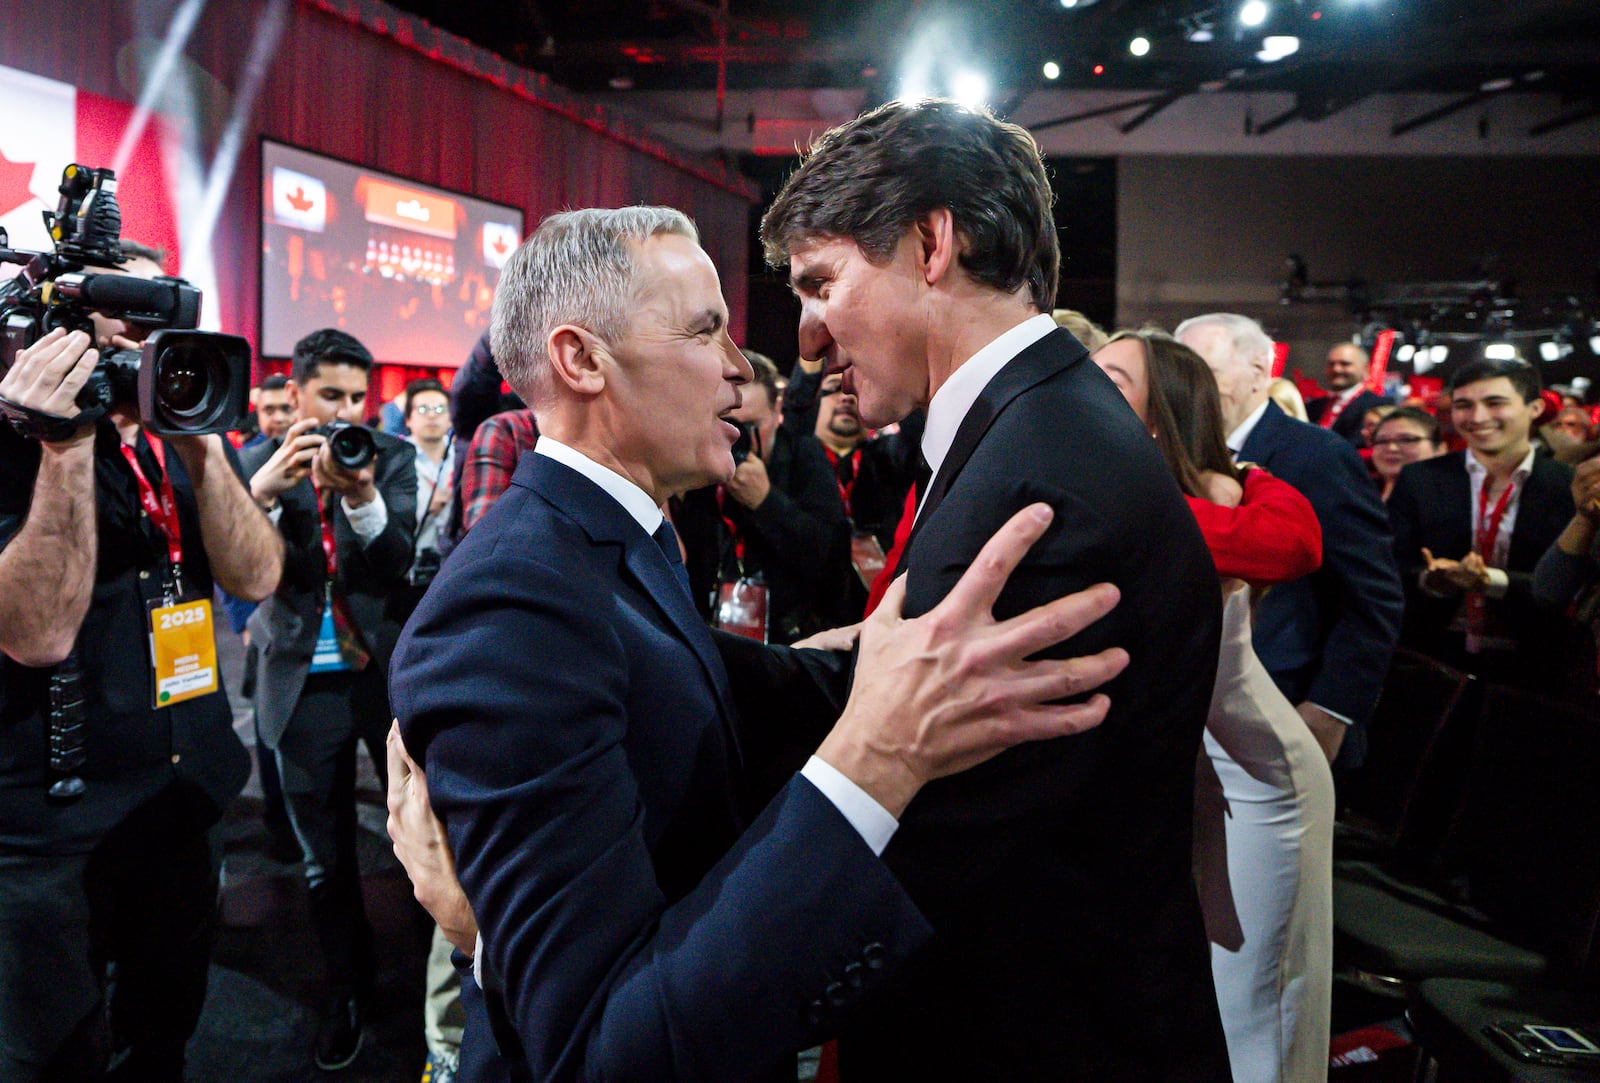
[815,340]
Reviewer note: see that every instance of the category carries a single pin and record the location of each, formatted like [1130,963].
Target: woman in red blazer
[1263,793]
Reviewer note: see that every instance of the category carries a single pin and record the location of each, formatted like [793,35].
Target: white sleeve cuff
[276,513]
[368,520]
[1499,583]
[1335,715]
[870,819]
[477,960]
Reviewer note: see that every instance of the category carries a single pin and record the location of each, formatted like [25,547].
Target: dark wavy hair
[328,346]
[1184,410]
[871,179]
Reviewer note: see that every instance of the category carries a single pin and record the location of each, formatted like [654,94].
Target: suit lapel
[608,523]
[1257,447]
[1051,354]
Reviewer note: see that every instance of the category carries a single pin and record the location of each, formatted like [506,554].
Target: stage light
[1423,362]
[970,89]
[1052,70]
[1139,46]
[1254,13]
[1594,345]
[1069,3]
[1276,47]
[1438,354]
[1405,352]
[1557,349]
[1100,69]
[1200,35]
[1500,351]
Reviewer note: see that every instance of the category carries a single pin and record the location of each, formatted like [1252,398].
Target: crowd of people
[688,778]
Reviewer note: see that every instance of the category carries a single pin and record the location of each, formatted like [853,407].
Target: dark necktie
[667,539]
[924,479]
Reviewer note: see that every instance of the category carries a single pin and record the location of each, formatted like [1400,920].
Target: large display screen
[408,269]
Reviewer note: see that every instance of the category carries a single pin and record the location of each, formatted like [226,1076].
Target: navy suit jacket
[1328,637]
[1348,423]
[1058,876]
[1431,507]
[582,749]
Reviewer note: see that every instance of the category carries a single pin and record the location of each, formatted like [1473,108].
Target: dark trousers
[317,766]
[145,900]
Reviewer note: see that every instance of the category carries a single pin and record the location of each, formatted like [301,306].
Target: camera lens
[181,385]
[351,446]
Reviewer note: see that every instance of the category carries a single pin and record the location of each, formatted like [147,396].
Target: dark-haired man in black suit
[1469,528]
[1068,942]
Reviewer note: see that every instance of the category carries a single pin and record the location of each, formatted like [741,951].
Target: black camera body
[749,440]
[181,382]
[351,447]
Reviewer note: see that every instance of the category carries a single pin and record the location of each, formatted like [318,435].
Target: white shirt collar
[634,500]
[1478,470]
[952,401]
[1238,436]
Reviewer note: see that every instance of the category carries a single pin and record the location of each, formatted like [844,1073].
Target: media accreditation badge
[183,651]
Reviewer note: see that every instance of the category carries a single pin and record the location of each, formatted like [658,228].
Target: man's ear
[578,358]
[938,244]
[1538,405]
[294,396]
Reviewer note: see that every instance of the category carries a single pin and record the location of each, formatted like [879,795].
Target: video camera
[181,382]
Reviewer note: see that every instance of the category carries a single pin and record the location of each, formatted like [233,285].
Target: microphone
[165,302]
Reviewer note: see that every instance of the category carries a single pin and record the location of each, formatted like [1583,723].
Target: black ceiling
[1348,48]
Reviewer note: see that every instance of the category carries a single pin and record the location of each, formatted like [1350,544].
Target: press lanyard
[161,508]
[846,491]
[1489,521]
[733,529]
[329,550]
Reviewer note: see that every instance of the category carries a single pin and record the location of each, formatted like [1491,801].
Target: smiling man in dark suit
[1470,526]
[578,726]
[1068,942]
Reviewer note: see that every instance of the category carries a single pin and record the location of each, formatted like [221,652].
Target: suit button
[874,955]
[836,994]
[814,1014]
[855,976]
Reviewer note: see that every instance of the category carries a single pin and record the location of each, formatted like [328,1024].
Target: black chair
[1515,898]
[1539,823]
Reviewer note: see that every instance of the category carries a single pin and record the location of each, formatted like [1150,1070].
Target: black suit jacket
[583,751]
[1431,507]
[1348,423]
[1328,637]
[284,627]
[1058,876]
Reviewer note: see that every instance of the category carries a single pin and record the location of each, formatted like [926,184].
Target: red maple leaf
[14,178]
[500,246]
[298,200]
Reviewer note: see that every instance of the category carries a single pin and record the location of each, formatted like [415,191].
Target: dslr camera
[351,447]
[181,382]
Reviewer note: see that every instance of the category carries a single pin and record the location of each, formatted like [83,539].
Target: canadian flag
[499,241]
[48,126]
[298,200]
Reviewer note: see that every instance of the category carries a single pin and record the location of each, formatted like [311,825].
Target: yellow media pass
[183,652]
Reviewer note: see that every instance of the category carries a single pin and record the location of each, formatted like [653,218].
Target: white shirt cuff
[276,513]
[870,819]
[368,520]
[1335,715]
[1499,583]
[477,960]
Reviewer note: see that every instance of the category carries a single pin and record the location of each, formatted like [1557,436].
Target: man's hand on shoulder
[424,851]
[951,689]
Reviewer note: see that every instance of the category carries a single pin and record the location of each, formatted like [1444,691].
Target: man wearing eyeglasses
[428,417]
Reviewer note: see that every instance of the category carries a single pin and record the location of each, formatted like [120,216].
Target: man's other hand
[1328,730]
[750,483]
[421,845]
[831,639]
[356,486]
[48,375]
[289,465]
[950,689]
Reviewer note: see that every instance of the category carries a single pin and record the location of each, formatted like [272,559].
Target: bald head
[1239,354]
[1347,366]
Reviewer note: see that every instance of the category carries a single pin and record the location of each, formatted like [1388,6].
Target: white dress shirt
[1477,476]
[870,819]
[1238,436]
[952,402]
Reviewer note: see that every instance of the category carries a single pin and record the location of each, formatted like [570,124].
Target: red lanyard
[733,529]
[1489,521]
[162,508]
[845,491]
[329,550]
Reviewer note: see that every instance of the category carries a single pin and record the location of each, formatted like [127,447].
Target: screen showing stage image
[408,269]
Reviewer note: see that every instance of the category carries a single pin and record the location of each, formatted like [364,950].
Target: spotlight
[1052,70]
[1139,46]
[1500,351]
[1405,352]
[1277,46]
[1555,350]
[1254,12]
[1594,344]
[970,89]
[1438,354]
[1100,69]
[1424,362]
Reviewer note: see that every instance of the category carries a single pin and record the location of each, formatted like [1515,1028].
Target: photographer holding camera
[428,417]
[117,750]
[344,499]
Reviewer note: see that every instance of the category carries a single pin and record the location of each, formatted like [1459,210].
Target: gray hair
[1250,343]
[578,268]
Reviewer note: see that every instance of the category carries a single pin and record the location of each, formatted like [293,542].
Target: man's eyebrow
[709,316]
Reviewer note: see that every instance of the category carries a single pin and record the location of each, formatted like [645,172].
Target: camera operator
[100,531]
[324,642]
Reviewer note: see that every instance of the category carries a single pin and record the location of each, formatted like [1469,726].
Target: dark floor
[260,1015]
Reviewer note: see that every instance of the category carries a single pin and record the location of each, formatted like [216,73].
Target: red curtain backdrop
[358,80]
